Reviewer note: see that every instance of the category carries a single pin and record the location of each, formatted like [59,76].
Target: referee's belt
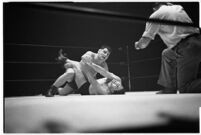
[184,39]
[189,36]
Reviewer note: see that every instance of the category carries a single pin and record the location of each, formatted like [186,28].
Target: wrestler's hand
[87,59]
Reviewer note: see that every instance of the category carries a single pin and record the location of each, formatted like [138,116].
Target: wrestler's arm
[87,58]
[105,66]
[104,72]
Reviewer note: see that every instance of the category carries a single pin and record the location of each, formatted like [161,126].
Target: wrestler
[110,84]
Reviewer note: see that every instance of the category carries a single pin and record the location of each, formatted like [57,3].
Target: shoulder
[89,52]
[158,13]
[166,11]
[162,11]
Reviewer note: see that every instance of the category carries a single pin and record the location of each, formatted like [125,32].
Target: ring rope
[46,80]
[27,62]
[30,80]
[112,63]
[148,59]
[98,12]
[147,76]
[54,46]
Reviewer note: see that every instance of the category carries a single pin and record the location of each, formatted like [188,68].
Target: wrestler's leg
[70,63]
[79,77]
[66,77]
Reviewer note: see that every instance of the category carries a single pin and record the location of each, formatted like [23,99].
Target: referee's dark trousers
[180,65]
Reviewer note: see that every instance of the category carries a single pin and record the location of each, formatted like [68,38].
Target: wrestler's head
[115,86]
[104,53]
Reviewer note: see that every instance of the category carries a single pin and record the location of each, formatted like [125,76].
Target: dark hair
[157,5]
[106,46]
[122,91]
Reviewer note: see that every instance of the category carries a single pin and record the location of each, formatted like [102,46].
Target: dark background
[33,34]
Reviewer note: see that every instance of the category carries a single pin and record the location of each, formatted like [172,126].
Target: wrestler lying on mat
[75,78]
[110,84]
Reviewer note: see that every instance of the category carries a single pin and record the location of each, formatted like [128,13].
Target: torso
[81,69]
[171,35]
[100,88]
[87,69]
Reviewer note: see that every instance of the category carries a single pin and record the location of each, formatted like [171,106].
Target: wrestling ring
[134,112]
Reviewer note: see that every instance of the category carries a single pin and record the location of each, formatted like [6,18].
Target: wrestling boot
[52,91]
[167,91]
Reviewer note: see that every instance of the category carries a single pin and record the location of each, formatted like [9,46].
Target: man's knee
[169,55]
[165,52]
[69,74]
[68,65]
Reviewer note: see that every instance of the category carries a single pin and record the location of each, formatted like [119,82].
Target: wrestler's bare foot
[62,57]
